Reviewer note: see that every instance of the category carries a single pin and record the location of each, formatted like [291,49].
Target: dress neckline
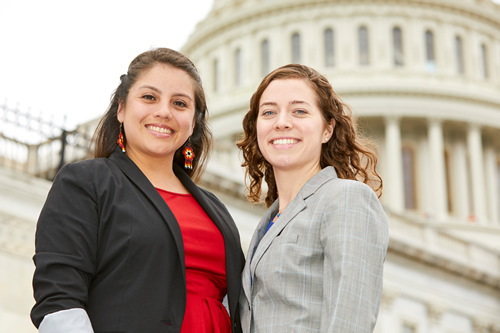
[174,193]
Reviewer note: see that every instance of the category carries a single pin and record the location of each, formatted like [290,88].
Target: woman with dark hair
[126,242]
[315,260]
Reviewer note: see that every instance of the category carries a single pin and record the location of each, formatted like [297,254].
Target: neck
[159,172]
[289,182]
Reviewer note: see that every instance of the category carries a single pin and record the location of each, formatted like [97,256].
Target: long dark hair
[108,129]
[352,156]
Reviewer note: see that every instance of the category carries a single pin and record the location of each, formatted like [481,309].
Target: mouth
[284,142]
[158,129]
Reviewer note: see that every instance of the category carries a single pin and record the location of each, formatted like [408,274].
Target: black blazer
[107,242]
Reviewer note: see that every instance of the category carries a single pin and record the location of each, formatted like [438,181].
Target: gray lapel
[256,238]
[262,240]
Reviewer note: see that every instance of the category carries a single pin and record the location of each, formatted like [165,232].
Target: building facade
[422,78]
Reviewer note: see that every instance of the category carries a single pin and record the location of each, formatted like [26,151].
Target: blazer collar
[137,177]
[220,218]
[261,240]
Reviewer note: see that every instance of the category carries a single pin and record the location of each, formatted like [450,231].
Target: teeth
[284,141]
[160,129]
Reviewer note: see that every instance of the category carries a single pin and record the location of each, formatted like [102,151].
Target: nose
[163,111]
[283,121]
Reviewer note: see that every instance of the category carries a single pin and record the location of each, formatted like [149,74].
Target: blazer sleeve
[65,243]
[355,239]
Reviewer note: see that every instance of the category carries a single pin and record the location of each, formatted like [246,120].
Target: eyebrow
[298,102]
[269,103]
[291,103]
[159,91]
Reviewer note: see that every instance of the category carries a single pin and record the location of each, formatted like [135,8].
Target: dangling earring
[188,155]
[120,138]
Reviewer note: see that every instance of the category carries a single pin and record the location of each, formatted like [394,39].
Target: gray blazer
[319,267]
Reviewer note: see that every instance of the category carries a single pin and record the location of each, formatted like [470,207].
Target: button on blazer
[319,267]
[107,242]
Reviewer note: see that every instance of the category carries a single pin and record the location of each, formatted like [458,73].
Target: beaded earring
[120,138]
[188,155]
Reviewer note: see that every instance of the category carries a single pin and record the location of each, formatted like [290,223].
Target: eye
[268,113]
[181,104]
[149,97]
[300,111]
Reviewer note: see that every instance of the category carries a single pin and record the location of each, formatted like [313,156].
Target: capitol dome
[423,78]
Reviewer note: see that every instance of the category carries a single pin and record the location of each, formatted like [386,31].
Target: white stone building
[422,76]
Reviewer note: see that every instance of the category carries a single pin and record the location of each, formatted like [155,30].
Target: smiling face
[291,127]
[158,116]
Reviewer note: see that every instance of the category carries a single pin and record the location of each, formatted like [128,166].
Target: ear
[329,129]
[120,113]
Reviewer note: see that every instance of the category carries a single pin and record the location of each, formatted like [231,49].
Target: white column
[424,185]
[490,160]
[475,147]
[460,181]
[394,163]
[386,322]
[435,314]
[32,159]
[437,175]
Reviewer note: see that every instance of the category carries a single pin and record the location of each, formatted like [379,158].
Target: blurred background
[422,77]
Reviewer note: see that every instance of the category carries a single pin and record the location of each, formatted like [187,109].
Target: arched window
[216,74]
[459,55]
[364,52]
[264,55]
[329,50]
[237,67]
[296,56]
[408,155]
[397,41]
[429,51]
[484,61]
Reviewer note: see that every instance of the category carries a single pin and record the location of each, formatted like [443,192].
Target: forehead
[166,75]
[286,90]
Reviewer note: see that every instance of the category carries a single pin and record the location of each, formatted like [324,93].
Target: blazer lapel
[262,240]
[228,231]
[254,242]
[222,219]
[135,175]
[286,216]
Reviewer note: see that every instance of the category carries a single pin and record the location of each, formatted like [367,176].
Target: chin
[280,163]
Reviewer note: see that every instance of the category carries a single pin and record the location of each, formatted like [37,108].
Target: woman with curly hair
[315,260]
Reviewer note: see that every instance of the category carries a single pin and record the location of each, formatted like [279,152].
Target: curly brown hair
[352,156]
[108,129]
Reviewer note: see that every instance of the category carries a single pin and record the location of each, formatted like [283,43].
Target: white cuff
[66,321]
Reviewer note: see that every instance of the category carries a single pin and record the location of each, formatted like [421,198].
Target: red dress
[205,259]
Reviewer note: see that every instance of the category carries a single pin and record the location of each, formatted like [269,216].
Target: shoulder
[345,195]
[88,168]
[92,176]
[339,188]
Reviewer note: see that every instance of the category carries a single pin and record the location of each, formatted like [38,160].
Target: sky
[61,59]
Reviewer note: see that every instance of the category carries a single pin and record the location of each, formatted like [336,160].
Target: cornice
[421,93]
[230,17]
[421,242]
